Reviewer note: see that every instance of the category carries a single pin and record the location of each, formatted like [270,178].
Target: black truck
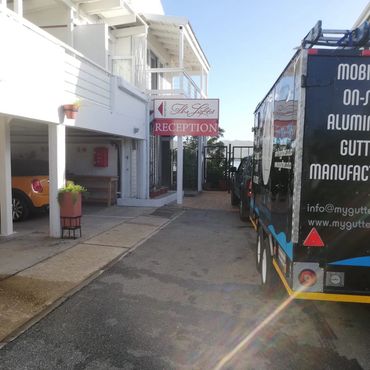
[311,171]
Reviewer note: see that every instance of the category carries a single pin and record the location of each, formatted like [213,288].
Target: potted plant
[70,202]
[71,110]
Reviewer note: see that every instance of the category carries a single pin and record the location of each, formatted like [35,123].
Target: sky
[249,43]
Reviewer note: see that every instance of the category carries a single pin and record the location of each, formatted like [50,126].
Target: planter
[70,110]
[70,209]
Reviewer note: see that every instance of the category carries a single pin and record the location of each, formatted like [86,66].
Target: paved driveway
[188,298]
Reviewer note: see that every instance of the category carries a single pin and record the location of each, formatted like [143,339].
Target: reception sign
[186,117]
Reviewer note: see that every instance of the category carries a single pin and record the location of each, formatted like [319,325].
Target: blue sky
[248,43]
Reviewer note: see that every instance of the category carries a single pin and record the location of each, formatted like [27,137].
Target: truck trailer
[311,170]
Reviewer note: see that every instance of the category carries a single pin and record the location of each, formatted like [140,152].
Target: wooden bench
[100,189]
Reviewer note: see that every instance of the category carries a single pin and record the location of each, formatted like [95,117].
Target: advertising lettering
[346,122]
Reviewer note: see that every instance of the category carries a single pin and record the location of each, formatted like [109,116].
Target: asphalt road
[188,298]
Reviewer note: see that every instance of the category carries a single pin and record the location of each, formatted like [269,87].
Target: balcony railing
[172,82]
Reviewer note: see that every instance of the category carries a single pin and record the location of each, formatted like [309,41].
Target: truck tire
[268,275]
[20,207]
[234,199]
[260,241]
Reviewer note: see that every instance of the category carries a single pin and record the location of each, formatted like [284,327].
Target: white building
[115,56]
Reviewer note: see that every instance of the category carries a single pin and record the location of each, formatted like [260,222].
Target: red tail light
[307,277]
[248,187]
[36,186]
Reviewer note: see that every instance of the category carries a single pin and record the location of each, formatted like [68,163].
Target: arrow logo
[160,109]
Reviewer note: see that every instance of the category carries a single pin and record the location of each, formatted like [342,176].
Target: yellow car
[30,187]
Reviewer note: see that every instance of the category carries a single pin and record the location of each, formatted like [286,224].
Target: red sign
[186,117]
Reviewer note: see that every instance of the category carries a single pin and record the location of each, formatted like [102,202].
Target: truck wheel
[234,199]
[268,277]
[21,209]
[260,241]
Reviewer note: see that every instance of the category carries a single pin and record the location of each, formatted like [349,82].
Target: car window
[246,166]
[29,167]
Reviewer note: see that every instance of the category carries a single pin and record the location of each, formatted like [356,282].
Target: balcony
[39,74]
[173,82]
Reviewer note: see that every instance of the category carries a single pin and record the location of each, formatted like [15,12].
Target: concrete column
[5,179]
[200,162]
[71,28]
[57,170]
[181,56]
[18,7]
[125,169]
[142,169]
[180,166]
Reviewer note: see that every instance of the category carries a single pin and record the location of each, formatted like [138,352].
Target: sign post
[185,117]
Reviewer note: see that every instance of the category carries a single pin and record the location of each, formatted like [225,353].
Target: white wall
[80,159]
[97,50]
[31,82]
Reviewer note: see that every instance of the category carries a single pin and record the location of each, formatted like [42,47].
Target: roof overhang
[165,29]
[115,13]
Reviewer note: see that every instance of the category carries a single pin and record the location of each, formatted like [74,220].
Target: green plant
[77,103]
[71,187]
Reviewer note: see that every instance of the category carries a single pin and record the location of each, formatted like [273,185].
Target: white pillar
[70,26]
[18,7]
[5,179]
[57,169]
[180,166]
[142,169]
[181,56]
[126,168]
[200,162]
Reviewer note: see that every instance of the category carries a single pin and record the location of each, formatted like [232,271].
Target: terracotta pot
[70,208]
[70,110]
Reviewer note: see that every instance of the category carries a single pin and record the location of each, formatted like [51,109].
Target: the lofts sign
[186,117]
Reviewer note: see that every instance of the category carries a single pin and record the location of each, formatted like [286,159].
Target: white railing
[173,81]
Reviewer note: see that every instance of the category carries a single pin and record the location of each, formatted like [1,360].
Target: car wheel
[234,199]
[21,210]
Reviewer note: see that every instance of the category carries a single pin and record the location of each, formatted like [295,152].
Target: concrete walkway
[37,273]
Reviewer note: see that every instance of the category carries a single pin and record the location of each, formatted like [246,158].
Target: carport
[39,135]
[78,154]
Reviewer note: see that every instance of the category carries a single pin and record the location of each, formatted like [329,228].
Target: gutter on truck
[311,174]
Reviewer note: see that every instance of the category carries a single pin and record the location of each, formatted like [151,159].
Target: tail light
[307,278]
[37,186]
[248,187]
